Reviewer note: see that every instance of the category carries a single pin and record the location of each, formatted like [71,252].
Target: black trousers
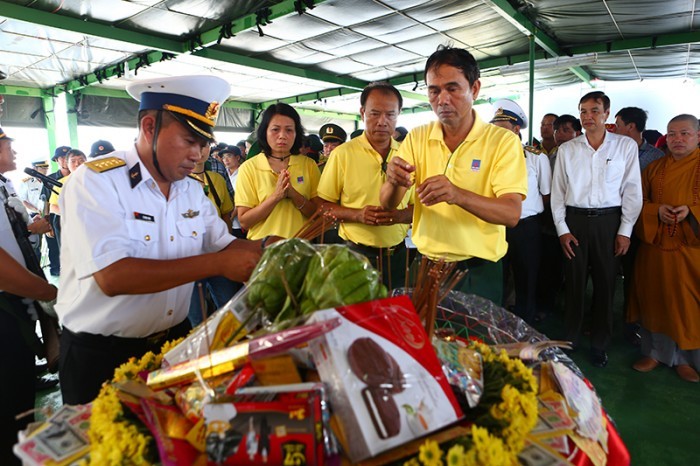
[524,253]
[17,366]
[54,255]
[88,360]
[596,251]
[551,274]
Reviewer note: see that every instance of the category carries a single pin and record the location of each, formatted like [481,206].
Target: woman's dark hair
[285,110]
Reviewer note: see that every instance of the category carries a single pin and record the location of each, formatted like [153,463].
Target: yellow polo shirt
[352,178]
[218,184]
[488,162]
[256,182]
[53,200]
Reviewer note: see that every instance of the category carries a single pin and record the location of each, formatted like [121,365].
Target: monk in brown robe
[666,290]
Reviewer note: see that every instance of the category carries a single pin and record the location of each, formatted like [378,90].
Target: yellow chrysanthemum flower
[455,456]
[430,453]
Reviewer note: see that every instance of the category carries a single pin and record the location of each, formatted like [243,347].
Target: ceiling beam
[22,91]
[119,69]
[527,27]
[221,54]
[421,97]
[230,29]
[311,96]
[649,42]
[198,46]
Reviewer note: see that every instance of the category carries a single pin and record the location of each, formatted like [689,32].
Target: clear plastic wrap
[292,279]
[473,317]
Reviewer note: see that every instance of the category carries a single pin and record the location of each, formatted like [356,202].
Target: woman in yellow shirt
[274,189]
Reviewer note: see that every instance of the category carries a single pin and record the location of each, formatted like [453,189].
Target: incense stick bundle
[434,281]
[320,222]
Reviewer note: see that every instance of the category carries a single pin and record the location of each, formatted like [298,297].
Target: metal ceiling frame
[204,45]
[527,27]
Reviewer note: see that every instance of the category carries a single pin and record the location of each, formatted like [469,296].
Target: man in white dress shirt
[138,231]
[596,199]
[524,239]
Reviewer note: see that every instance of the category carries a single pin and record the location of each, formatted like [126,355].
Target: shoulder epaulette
[532,149]
[106,164]
[24,180]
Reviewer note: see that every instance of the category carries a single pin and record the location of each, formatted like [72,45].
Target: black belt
[372,251]
[466,264]
[155,339]
[529,218]
[593,212]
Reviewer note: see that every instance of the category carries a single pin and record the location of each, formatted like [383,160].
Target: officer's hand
[437,189]
[398,172]
[369,215]
[567,241]
[239,263]
[39,227]
[622,244]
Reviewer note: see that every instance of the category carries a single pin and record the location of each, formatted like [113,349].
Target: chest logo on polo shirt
[476,165]
[300,179]
[190,213]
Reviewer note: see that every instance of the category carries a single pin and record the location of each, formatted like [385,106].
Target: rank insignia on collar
[135,175]
[190,213]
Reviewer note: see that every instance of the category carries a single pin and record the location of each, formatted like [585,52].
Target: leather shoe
[687,373]
[645,364]
[599,358]
[44,383]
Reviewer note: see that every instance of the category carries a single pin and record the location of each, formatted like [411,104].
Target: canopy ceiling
[317,54]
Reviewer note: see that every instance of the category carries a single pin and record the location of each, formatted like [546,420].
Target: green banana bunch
[281,271]
[338,277]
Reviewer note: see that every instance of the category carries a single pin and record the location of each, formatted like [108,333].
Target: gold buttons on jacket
[147,237]
[194,233]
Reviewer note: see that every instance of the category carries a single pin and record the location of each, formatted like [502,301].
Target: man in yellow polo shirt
[470,177]
[351,181]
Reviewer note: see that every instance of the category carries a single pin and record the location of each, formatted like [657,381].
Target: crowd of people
[148,240]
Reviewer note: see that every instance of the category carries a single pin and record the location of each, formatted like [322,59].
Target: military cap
[60,152]
[101,148]
[193,100]
[233,150]
[40,164]
[330,132]
[4,136]
[507,110]
[356,133]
